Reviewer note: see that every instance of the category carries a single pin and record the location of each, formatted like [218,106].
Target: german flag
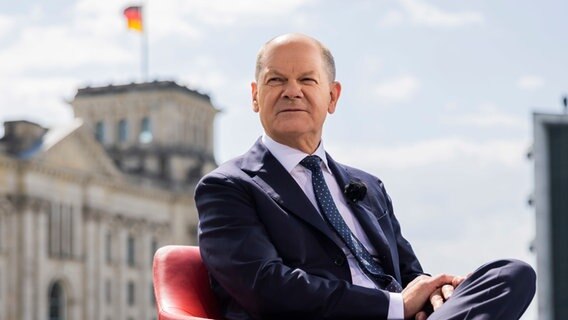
[134,17]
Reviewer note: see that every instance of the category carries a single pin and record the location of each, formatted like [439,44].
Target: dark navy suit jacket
[272,256]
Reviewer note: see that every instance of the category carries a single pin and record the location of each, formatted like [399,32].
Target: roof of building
[137,87]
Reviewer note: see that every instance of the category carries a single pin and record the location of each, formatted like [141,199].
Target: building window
[54,222]
[164,167]
[196,132]
[108,247]
[1,232]
[145,131]
[131,294]
[2,224]
[204,137]
[154,248]
[60,221]
[100,131]
[56,302]
[122,131]
[66,230]
[108,291]
[130,256]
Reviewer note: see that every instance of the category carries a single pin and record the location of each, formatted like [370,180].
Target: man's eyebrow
[308,73]
[275,72]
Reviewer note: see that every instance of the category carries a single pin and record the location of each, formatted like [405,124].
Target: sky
[437,96]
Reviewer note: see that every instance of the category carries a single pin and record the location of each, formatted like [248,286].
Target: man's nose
[293,90]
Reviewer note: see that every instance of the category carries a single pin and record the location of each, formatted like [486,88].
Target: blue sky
[437,95]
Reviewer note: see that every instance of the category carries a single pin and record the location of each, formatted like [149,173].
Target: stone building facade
[83,207]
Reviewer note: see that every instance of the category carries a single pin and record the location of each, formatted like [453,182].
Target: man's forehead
[292,55]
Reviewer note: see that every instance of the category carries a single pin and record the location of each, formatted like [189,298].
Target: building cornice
[139,87]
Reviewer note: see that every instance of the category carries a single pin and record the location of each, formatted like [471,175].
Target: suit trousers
[501,289]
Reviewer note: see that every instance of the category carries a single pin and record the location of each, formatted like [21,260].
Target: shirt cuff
[396,307]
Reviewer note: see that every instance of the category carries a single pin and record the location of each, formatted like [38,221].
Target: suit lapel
[271,176]
[367,219]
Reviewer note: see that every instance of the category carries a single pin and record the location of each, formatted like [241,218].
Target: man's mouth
[292,110]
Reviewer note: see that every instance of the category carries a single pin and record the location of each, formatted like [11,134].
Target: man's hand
[437,297]
[419,291]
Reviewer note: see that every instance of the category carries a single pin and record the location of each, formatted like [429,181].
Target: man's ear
[254,93]
[334,93]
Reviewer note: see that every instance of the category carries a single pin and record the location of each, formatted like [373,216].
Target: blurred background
[437,95]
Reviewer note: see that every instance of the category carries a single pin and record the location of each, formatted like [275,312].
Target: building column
[145,278]
[12,251]
[40,246]
[90,272]
[26,303]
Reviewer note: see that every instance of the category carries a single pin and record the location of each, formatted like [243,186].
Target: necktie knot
[312,163]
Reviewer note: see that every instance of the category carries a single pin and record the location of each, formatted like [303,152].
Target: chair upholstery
[181,285]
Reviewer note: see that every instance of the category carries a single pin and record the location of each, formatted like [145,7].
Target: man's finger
[459,279]
[421,316]
[436,299]
[447,291]
[442,279]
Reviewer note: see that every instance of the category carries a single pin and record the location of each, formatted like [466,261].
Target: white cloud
[186,16]
[399,89]
[436,151]
[370,64]
[486,116]
[89,35]
[210,78]
[228,11]
[99,18]
[392,18]
[41,48]
[530,82]
[452,105]
[6,25]
[39,99]
[424,14]
[187,19]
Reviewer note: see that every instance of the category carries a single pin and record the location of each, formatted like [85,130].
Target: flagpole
[144,54]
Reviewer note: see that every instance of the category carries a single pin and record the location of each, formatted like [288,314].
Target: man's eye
[309,80]
[275,80]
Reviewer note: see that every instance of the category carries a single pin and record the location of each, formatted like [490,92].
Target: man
[281,240]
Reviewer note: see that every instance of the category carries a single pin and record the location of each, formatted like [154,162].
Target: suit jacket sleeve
[241,258]
[409,265]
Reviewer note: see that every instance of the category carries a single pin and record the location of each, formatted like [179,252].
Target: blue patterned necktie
[332,216]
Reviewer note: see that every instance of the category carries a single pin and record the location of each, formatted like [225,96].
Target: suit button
[339,261]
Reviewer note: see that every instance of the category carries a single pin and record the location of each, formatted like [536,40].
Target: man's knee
[519,276]
[520,271]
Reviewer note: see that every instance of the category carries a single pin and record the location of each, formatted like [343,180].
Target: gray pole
[144,57]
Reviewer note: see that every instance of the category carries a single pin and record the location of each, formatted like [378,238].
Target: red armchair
[181,285]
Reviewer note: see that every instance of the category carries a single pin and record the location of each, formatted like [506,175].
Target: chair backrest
[181,285]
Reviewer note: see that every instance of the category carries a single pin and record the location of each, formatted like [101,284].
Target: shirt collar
[290,157]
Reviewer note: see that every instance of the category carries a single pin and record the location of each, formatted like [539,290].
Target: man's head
[294,90]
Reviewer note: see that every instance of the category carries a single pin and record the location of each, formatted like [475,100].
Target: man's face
[294,94]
